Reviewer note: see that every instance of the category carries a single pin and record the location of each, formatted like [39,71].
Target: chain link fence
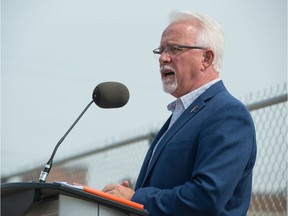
[269,196]
[122,160]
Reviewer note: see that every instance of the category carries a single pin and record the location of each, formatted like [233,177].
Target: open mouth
[168,74]
[167,71]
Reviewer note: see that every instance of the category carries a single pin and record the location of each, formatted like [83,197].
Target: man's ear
[208,58]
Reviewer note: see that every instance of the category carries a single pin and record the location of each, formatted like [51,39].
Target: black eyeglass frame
[158,52]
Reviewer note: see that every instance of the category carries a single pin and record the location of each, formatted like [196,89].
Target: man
[201,161]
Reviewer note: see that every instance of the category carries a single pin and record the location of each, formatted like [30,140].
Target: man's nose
[164,58]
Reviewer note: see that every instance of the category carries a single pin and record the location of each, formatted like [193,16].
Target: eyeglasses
[175,49]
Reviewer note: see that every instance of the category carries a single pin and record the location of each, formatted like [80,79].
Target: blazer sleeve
[225,157]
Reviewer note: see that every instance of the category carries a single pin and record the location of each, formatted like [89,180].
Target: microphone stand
[48,166]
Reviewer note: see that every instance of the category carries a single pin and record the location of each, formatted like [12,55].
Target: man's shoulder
[217,95]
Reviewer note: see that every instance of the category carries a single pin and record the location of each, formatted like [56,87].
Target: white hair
[209,33]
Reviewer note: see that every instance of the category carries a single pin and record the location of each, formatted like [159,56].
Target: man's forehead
[178,31]
[182,27]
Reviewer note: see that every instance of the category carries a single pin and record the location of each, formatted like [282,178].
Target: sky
[54,53]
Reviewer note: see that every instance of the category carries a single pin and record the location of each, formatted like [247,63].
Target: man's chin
[171,88]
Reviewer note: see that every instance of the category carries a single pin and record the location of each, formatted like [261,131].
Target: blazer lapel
[143,172]
[188,113]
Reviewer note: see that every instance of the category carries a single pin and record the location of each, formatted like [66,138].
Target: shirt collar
[184,102]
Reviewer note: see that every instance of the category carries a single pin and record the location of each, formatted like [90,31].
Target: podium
[54,199]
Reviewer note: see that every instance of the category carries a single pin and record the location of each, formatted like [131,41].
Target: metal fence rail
[96,168]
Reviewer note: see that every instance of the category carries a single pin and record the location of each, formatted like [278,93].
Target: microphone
[110,95]
[105,95]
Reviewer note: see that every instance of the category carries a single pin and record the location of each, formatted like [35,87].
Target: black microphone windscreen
[110,95]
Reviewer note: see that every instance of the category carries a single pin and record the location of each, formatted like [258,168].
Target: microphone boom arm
[48,166]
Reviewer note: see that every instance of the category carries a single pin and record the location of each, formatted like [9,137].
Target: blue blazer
[203,164]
